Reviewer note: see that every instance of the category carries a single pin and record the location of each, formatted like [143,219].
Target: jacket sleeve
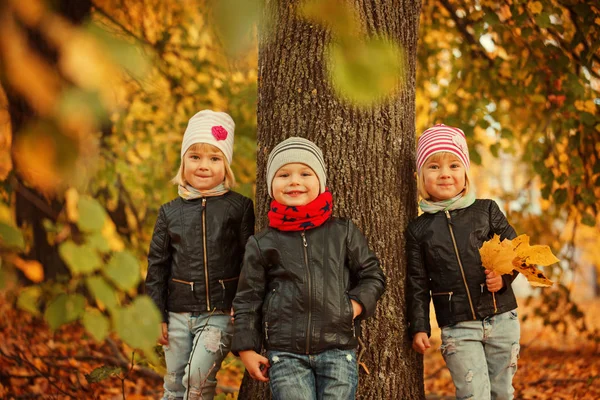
[418,296]
[247,305]
[247,226]
[159,265]
[365,271]
[502,228]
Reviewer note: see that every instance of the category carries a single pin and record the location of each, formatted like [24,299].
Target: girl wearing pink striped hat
[474,307]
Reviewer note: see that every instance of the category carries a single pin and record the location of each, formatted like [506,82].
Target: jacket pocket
[442,301]
[267,312]
[349,313]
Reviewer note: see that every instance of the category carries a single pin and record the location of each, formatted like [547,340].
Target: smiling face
[295,185]
[203,167]
[444,176]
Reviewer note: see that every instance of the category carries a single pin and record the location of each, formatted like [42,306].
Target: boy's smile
[295,184]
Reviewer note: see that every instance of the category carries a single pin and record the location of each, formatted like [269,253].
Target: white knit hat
[441,138]
[296,150]
[210,127]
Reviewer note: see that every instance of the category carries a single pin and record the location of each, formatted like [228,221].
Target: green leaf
[11,237]
[560,196]
[588,219]
[543,20]
[139,324]
[234,21]
[80,259]
[124,270]
[101,373]
[29,300]
[63,309]
[546,190]
[97,241]
[103,292]
[587,119]
[494,149]
[364,72]
[588,197]
[91,215]
[96,324]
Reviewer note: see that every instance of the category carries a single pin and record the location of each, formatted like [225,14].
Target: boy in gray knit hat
[306,283]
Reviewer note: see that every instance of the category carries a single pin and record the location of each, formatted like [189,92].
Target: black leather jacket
[449,269]
[196,253]
[295,289]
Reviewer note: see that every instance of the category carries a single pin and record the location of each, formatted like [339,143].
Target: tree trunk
[370,167]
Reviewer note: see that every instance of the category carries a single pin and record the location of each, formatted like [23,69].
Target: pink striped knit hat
[440,138]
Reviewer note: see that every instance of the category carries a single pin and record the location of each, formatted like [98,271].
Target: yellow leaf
[539,255]
[503,257]
[32,269]
[535,7]
[497,256]
[110,234]
[71,198]
[532,273]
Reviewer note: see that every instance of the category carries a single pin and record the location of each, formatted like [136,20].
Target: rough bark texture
[370,159]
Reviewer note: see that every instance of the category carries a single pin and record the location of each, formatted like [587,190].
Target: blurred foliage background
[95,96]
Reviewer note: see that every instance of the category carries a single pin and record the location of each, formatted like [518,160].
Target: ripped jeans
[482,356]
[198,343]
[330,375]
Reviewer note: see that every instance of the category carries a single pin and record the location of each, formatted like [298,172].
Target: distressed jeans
[482,356]
[197,346]
[330,375]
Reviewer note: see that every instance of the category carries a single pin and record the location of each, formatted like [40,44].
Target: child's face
[295,185]
[203,167]
[443,177]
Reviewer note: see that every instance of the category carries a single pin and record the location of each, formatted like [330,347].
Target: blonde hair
[436,157]
[229,182]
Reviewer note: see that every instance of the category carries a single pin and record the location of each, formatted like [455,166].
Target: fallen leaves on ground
[36,362]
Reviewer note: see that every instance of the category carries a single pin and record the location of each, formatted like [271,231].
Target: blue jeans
[482,356]
[332,374]
[197,346]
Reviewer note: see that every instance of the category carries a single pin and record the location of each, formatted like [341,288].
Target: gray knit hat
[296,150]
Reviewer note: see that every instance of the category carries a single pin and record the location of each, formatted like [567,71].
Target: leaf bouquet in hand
[504,256]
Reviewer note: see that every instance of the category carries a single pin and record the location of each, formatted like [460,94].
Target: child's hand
[421,342]
[256,365]
[164,337]
[356,308]
[493,281]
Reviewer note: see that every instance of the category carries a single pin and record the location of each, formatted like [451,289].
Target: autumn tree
[369,150]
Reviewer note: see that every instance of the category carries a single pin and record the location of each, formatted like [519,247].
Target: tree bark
[370,166]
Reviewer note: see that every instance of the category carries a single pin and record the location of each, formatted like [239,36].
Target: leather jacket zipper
[186,282]
[222,281]
[449,294]
[205,256]
[462,271]
[308,324]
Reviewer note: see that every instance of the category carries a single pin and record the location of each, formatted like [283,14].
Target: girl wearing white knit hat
[195,258]
[475,308]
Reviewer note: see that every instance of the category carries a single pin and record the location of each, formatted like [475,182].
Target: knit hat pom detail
[219,132]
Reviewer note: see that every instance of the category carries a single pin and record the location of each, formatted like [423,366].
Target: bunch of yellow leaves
[504,256]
